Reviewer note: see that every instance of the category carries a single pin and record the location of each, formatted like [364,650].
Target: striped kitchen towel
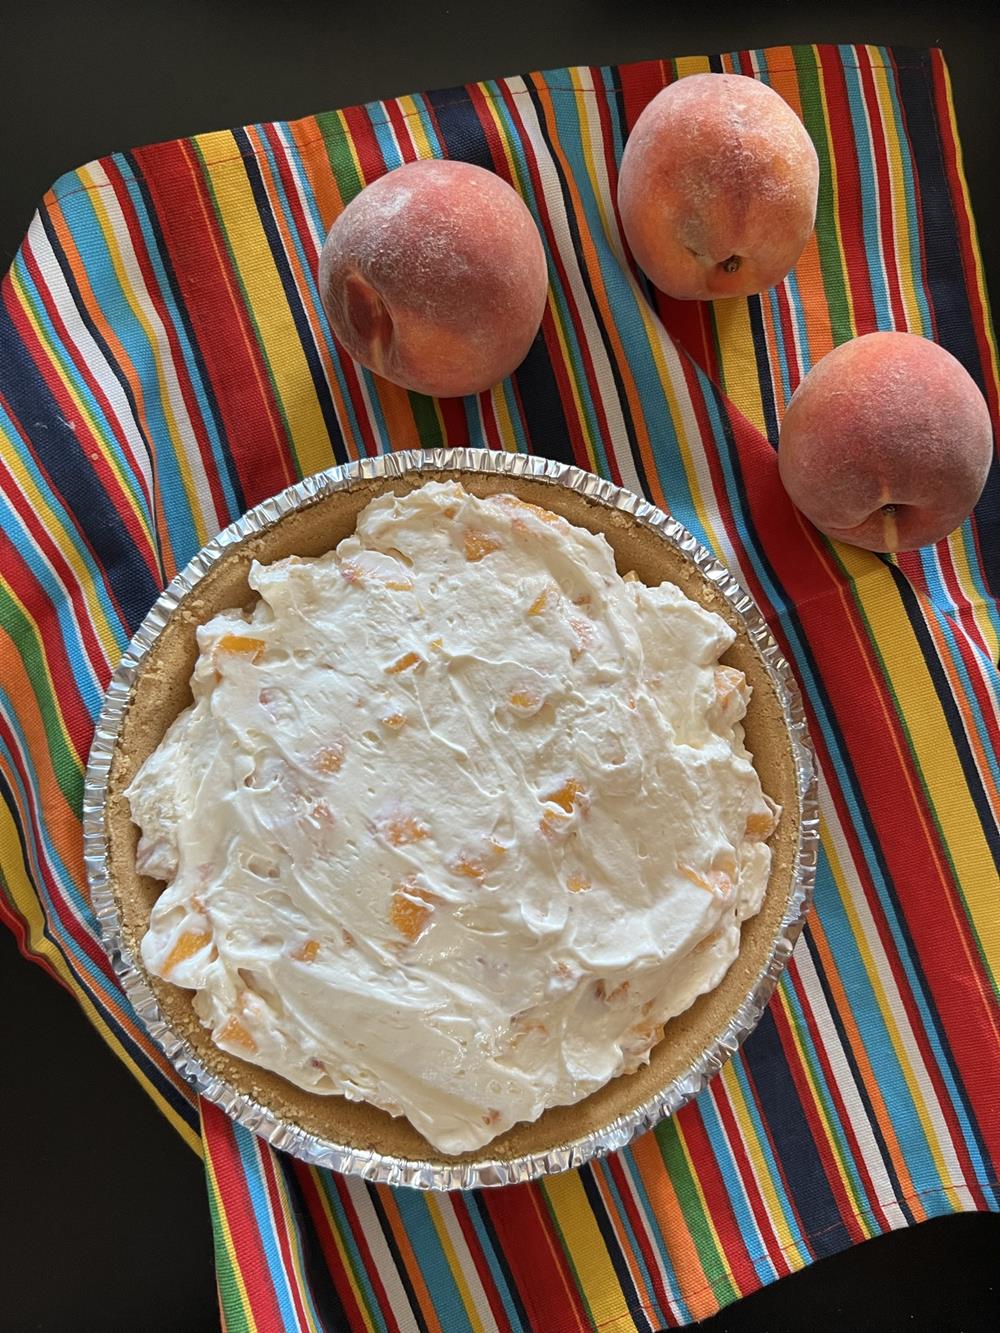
[165,363]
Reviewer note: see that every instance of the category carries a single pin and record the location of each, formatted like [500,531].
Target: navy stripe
[63,458]
[111,364]
[899,1194]
[319,1284]
[953,321]
[632,1295]
[462,137]
[599,321]
[793,1140]
[292,296]
[397,1258]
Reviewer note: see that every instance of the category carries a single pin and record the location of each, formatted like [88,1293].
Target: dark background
[103,1215]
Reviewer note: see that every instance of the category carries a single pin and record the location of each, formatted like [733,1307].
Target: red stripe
[27,591]
[311,1192]
[848,187]
[155,293]
[536,1260]
[482,1267]
[883,179]
[833,1090]
[70,583]
[234,1200]
[734,1137]
[717,1201]
[220,321]
[401,129]
[281,1232]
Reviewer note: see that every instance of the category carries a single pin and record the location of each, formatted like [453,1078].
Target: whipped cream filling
[458,820]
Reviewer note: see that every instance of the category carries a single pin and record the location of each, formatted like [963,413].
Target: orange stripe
[691,1275]
[410,1259]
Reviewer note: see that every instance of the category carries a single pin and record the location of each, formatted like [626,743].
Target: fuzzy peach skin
[717,189]
[886,443]
[434,276]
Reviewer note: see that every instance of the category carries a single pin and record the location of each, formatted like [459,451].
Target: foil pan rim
[371,1165]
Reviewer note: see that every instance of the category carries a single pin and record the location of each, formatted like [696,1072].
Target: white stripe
[381,1255]
[94,358]
[466,1263]
[556,204]
[166,369]
[846,1084]
[855,892]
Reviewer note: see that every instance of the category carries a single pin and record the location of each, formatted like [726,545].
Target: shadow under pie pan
[151,687]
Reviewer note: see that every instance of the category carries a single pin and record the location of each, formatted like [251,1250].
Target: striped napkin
[165,363]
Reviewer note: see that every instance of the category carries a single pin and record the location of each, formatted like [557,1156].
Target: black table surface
[103,1216]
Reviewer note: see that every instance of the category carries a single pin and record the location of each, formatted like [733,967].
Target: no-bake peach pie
[459,818]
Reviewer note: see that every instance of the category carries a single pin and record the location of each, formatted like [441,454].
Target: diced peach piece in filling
[478,544]
[404,663]
[411,909]
[400,828]
[568,796]
[761,824]
[235,1034]
[712,881]
[329,758]
[190,943]
[241,645]
[306,952]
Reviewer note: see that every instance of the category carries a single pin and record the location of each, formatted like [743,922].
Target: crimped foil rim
[371,1165]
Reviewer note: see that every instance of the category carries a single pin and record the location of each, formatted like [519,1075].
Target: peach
[886,443]
[434,276]
[717,189]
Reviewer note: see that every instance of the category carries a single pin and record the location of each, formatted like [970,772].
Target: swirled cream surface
[459,817]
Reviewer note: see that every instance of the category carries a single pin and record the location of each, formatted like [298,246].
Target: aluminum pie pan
[366,1163]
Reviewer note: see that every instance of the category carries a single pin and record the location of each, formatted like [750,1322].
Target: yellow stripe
[902,235]
[504,417]
[748,1133]
[587,1251]
[68,549]
[227,1238]
[934,749]
[415,126]
[345,1258]
[281,349]
[292,1231]
[692,65]
[167,407]
[455,1266]
[737,360]
[26,901]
